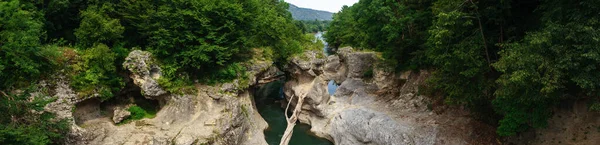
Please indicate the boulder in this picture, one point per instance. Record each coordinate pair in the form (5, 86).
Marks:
(145, 73)
(120, 114)
(360, 63)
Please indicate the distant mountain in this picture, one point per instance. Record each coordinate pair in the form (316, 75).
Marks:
(299, 13)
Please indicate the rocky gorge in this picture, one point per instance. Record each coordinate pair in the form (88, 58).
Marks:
(363, 110)
(216, 114)
(371, 105)
(375, 106)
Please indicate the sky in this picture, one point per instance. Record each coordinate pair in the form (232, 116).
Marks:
(325, 5)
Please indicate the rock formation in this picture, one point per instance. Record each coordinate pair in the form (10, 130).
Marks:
(384, 109)
(222, 114)
(120, 114)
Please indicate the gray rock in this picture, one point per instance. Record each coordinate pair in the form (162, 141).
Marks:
(144, 73)
(383, 110)
(361, 126)
(229, 87)
(333, 63)
(310, 61)
(359, 63)
(120, 114)
(184, 139)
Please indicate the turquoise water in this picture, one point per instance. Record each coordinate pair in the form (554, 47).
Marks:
(331, 87)
(268, 100)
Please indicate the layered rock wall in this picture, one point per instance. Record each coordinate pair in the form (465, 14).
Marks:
(375, 106)
(222, 114)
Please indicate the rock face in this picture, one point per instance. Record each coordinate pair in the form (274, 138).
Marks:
(144, 73)
(120, 114)
(222, 114)
(384, 109)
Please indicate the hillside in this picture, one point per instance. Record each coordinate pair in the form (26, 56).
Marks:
(299, 13)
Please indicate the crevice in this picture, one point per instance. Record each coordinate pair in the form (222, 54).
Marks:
(95, 109)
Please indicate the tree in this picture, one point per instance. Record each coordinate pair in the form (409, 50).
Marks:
(396, 28)
(22, 56)
(558, 62)
(96, 72)
(97, 27)
(24, 121)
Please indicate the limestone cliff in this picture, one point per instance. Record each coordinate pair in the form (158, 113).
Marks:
(222, 114)
(375, 106)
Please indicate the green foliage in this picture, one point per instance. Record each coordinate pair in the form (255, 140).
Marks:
(137, 113)
(283, 37)
(510, 61)
(229, 73)
(24, 121)
(313, 26)
(539, 70)
(460, 66)
(96, 73)
(22, 57)
(310, 42)
(97, 27)
(396, 28)
(204, 40)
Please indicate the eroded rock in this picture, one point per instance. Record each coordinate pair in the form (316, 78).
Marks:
(144, 73)
(223, 114)
(385, 109)
(120, 114)
(363, 126)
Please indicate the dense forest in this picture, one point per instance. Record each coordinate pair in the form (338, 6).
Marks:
(312, 26)
(511, 61)
(306, 14)
(87, 41)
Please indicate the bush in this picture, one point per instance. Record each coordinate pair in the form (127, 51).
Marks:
(137, 113)
(22, 57)
(97, 27)
(24, 121)
(96, 72)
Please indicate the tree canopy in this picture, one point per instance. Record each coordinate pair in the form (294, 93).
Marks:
(87, 41)
(511, 61)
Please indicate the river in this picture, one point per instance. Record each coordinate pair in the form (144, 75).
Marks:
(268, 100)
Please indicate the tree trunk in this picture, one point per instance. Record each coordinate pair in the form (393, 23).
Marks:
(291, 121)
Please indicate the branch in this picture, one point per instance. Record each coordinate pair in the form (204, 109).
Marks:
(482, 35)
(291, 121)
(286, 108)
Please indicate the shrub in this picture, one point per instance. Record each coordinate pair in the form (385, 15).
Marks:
(96, 73)
(137, 113)
(23, 120)
(97, 27)
(22, 58)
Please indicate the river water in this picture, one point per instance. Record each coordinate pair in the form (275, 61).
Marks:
(268, 100)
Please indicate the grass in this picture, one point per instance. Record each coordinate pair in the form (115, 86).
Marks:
(142, 109)
(138, 113)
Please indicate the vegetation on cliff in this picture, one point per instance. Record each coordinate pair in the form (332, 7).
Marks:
(511, 61)
(87, 40)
